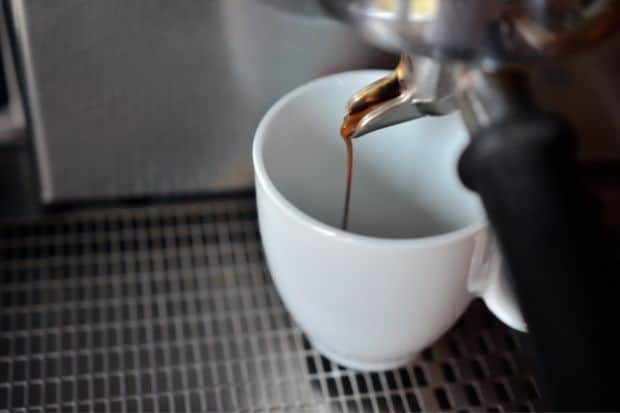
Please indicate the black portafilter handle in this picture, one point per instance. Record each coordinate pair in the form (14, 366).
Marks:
(559, 258)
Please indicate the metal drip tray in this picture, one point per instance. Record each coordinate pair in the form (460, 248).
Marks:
(171, 308)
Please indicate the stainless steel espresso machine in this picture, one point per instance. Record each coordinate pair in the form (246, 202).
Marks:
(474, 56)
(131, 271)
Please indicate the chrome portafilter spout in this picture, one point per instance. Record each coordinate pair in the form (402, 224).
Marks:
(422, 86)
(419, 86)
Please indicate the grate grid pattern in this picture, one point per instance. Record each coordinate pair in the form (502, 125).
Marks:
(171, 308)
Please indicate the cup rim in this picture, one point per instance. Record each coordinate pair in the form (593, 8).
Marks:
(260, 173)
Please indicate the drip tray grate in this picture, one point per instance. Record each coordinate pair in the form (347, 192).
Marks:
(171, 308)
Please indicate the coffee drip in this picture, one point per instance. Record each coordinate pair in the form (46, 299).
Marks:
(365, 102)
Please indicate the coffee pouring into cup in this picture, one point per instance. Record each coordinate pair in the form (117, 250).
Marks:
(417, 249)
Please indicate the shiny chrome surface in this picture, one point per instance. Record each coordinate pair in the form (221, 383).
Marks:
(418, 87)
(486, 97)
(465, 42)
(162, 97)
(556, 27)
(479, 29)
(428, 86)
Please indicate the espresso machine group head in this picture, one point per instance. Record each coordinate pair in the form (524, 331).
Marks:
(450, 47)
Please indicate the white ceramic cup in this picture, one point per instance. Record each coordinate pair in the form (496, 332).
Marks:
(418, 250)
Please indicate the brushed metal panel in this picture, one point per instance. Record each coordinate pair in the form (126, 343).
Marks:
(133, 98)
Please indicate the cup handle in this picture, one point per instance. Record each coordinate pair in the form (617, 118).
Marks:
(488, 280)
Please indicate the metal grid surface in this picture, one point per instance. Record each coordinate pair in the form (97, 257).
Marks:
(171, 308)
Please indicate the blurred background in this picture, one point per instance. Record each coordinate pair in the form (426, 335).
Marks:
(106, 101)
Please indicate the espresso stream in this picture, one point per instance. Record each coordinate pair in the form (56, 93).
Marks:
(349, 125)
(364, 102)
(347, 197)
